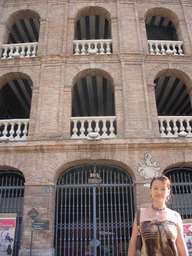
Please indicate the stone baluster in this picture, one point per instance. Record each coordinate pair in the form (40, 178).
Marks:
(162, 48)
(74, 130)
(25, 130)
(104, 130)
(151, 51)
(28, 54)
(89, 129)
(34, 52)
(111, 129)
(83, 51)
(11, 52)
(182, 128)
(77, 50)
(22, 53)
(97, 129)
(162, 128)
(188, 128)
(5, 131)
(102, 48)
(180, 51)
(108, 50)
(174, 49)
(18, 132)
(175, 128)
(169, 128)
(12, 131)
(157, 49)
(5, 49)
(82, 129)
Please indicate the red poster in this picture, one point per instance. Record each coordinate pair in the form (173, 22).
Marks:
(7, 233)
(187, 228)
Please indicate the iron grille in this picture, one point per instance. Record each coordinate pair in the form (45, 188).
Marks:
(11, 200)
(93, 219)
(181, 199)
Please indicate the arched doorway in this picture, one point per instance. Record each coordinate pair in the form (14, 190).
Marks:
(94, 211)
(181, 199)
(11, 201)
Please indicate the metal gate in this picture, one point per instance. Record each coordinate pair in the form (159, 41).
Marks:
(181, 199)
(94, 211)
(11, 200)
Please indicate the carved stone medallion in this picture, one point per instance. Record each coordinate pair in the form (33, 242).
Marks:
(148, 170)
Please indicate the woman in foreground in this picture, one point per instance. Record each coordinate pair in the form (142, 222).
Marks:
(161, 228)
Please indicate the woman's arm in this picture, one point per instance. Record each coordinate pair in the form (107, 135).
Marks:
(180, 243)
(132, 244)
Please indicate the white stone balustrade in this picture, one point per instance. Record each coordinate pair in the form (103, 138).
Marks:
(159, 47)
(21, 50)
(89, 47)
(174, 126)
(105, 126)
(14, 129)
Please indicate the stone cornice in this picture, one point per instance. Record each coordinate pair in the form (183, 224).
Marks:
(61, 145)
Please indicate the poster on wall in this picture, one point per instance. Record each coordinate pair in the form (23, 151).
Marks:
(187, 229)
(7, 233)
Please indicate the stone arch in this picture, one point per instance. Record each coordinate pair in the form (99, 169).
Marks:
(164, 12)
(168, 14)
(13, 76)
(163, 70)
(19, 15)
(92, 10)
(71, 164)
(93, 72)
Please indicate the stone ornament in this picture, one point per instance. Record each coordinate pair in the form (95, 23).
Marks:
(148, 170)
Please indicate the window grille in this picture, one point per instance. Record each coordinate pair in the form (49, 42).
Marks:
(181, 199)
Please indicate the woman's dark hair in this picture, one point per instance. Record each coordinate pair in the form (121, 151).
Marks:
(166, 181)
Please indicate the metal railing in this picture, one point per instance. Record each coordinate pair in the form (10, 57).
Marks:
(159, 47)
(93, 127)
(21, 50)
(88, 47)
(14, 129)
(174, 126)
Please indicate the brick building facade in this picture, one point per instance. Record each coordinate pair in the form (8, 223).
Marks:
(92, 89)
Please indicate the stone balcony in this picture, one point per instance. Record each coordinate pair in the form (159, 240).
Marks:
(14, 129)
(159, 47)
(21, 50)
(97, 127)
(91, 47)
(174, 126)
(93, 127)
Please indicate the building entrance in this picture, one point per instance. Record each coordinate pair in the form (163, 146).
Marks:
(94, 211)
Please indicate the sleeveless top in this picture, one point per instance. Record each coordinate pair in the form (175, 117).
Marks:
(159, 238)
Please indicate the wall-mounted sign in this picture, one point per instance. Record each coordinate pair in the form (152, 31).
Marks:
(94, 178)
(33, 213)
(41, 225)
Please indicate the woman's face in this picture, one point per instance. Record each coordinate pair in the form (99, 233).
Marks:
(159, 191)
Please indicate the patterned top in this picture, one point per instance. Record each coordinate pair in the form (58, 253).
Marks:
(158, 238)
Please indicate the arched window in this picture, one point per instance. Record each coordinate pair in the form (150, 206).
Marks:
(11, 200)
(93, 32)
(93, 108)
(22, 40)
(161, 32)
(181, 199)
(15, 105)
(173, 104)
(94, 211)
